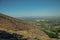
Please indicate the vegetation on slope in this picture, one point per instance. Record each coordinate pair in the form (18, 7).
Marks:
(27, 29)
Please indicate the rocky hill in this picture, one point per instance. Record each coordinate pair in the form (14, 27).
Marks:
(27, 29)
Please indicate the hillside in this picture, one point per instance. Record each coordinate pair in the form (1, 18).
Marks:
(27, 29)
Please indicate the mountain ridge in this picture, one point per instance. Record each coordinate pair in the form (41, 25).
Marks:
(27, 29)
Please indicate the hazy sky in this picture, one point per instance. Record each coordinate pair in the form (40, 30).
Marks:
(18, 8)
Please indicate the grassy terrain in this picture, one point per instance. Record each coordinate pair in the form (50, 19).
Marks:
(11, 28)
(50, 25)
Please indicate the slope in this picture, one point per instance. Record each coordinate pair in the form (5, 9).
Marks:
(27, 29)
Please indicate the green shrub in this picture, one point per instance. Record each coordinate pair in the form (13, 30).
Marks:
(51, 35)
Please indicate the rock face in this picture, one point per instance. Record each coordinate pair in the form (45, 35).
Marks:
(7, 36)
(27, 29)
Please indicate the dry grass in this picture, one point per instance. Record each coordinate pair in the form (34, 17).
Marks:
(26, 29)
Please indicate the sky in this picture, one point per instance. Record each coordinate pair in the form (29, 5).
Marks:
(19, 8)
